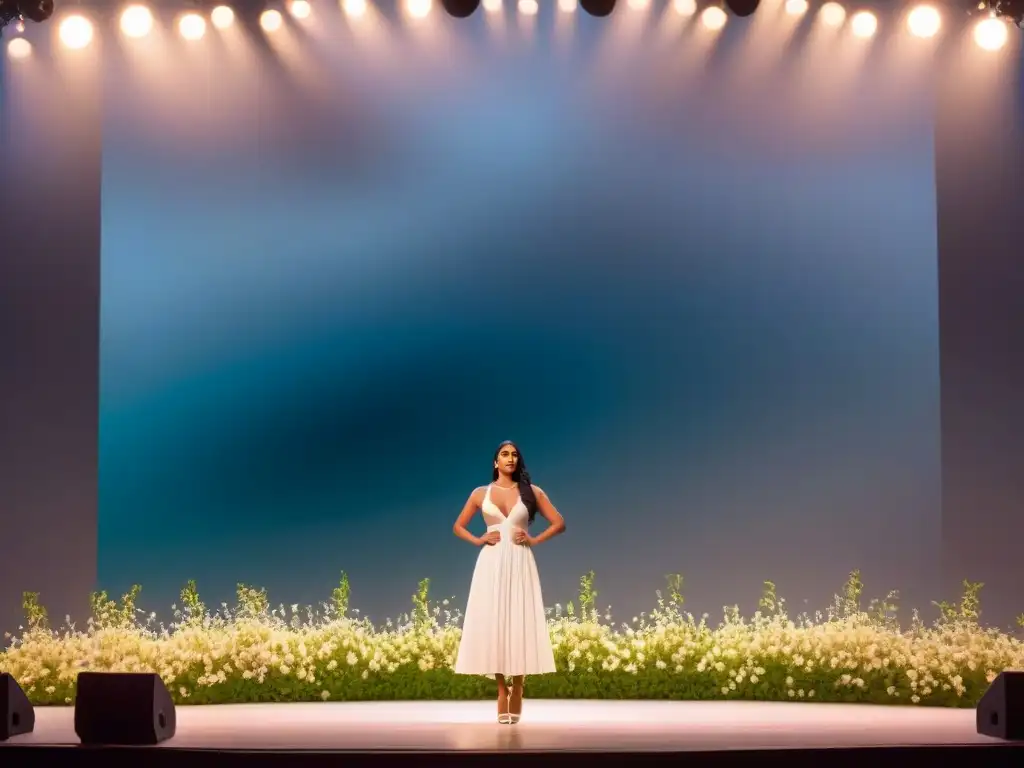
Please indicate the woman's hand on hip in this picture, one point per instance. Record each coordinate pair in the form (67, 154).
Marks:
(522, 538)
(490, 538)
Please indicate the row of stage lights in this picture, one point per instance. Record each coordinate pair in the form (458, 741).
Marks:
(76, 31)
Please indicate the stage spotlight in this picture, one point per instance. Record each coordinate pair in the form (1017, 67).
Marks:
(300, 9)
(714, 18)
(833, 15)
(864, 24)
(19, 48)
(76, 32)
(418, 9)
(924, 21)
(491, 6)
(639, 5)
(192, 26)
(991, 34)
(460, 9)
(567, 6)
(528, 7)
(354, 8)
(742, 8)
(271, 21)
(136, 21)
(796, 7)
(685, 7)
(222, 17)
(598, 8)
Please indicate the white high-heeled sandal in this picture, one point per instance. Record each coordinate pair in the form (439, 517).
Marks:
(514, 717)
(505, 718)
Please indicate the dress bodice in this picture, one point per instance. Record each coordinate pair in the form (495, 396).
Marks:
(518, 515)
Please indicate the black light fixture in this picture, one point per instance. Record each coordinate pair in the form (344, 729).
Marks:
(598, 8)
(460, 9)
(742, 8)
(33, 10)
(1010, 10)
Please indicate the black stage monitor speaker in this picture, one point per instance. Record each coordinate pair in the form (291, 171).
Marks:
(123, 709)
(16, 713)
(1001, 709)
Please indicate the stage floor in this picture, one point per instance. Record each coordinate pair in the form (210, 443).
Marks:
(599, 726)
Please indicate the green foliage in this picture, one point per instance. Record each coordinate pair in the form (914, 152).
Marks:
(255, 653)
(340, 596)
(252, 602)
(588, 597)
(421, 618)
(36, 617)
(968, 610)
(852, 590)
(109, 614)
(193, 611)
(769, 603)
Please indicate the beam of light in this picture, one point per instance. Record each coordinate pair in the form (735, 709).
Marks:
(271, 21)
(796, 7)
(528, 7)
(136, 21)
(222, 17)
(491, 6)
(418, 9)
(638, 5)
(300, 9)
(714, 18)
(924, 21)
(192, 26)
(832, 15)
(568, 6)
(685, 8)
(864, 24)
(991, 34)
(354, 9)
(19, 48)
(75, 32)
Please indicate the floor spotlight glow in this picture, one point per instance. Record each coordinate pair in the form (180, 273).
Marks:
(222, 17)
(991, 34)
(75, 32)
(528, 7)
(833, 15)
(714, 18)
(864, 24)
(354, 8)
(685, 7)
(924, 21)
(136, 21)
(300, 9)
(19, 48)
(271, 20)
(192, 26)
(418, 9)
(796, 7)
(491, 6)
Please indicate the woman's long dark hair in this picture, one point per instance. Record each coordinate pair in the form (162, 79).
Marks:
(522, 478)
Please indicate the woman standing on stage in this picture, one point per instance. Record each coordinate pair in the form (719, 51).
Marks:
(505, 632)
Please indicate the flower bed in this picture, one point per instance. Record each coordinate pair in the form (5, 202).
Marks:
(251, 653)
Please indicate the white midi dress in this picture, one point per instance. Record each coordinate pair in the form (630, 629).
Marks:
(505, 631)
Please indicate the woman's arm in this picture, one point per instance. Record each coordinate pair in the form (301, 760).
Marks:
(556, 523)
(476, 498)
